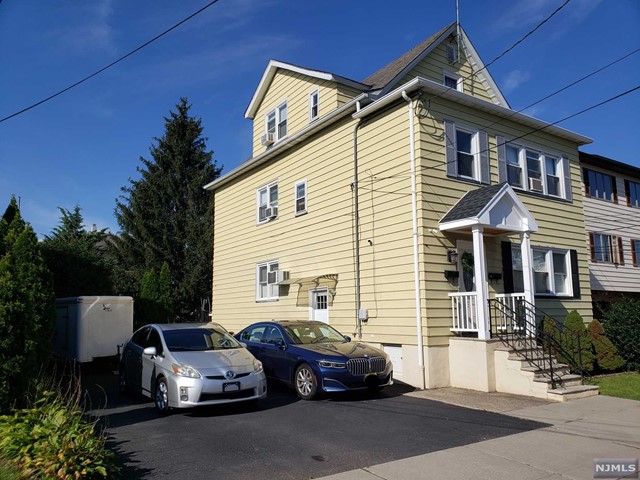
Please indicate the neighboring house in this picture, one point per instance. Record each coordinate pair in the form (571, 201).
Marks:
(611, 200)
(394, 208)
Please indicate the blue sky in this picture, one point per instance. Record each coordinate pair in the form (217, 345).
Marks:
(82, 147)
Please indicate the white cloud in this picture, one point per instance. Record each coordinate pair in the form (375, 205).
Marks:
(528, 13)
(514, 79)
(91, 30)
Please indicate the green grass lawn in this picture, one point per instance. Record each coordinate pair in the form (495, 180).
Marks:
(623, 385)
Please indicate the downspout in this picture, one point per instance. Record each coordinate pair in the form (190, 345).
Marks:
(414, 218)
(356, 219)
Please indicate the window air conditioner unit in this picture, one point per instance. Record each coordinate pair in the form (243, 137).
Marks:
(267, 139)
(271, 212)
(281, 276)
(535, 184)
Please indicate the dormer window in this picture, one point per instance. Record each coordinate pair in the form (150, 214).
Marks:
(276, 122)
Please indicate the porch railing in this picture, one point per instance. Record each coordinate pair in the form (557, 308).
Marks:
(464, 311)
(503, 321)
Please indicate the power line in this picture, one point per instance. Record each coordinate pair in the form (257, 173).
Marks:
(115, 62)
(473, 74)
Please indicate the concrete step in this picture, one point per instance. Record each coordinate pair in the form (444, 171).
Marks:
(558, 369)
(566, 394)
(566, 380)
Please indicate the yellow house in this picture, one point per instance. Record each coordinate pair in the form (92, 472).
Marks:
(414, 210)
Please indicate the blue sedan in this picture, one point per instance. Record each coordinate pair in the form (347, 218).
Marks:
(313, 357)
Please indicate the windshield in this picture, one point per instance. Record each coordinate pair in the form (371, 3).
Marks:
(305, 334)
(199, 339)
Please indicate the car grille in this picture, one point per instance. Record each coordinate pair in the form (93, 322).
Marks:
(362, 366)
(206, 397)
(222, 377)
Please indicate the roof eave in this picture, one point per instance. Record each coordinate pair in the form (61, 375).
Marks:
(270, 72)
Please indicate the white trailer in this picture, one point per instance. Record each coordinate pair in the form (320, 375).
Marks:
(91, 327)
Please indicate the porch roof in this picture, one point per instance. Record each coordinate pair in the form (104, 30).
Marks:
(327, 280)
(496, 207)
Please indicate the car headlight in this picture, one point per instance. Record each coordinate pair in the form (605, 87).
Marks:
(185, 371)
(331, 364)
(257, 366)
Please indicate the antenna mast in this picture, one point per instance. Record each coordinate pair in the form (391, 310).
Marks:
(458, 28)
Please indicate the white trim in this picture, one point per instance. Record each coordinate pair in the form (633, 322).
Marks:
(453, 76)
(464, 99)
(475, 151)
(316, 92)
(270, 298)
(548, 252)
(268, 205)
(270, 72)
(295, 198)
(289, 142)
(542, 154)
(476, 63)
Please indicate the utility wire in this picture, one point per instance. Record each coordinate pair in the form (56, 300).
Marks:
(473, 74)
(115, 62)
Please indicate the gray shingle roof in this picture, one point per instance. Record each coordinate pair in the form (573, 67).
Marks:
(472, 203)
(386, 74)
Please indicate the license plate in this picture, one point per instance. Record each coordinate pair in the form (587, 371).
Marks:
(231, 387)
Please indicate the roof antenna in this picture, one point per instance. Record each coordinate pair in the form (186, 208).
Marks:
(458, 28)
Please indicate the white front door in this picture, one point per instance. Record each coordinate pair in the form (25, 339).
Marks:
(319, 305)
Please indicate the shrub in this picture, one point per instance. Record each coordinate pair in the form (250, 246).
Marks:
(51, 439)
(622, 324)
(575, 323)
(606, 354)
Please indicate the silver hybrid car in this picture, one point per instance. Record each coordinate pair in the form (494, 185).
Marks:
(187, 365)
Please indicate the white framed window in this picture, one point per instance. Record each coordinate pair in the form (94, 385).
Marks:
(276, 122)
(314, 105)
(452, 80)
(267, 202)
(534, 170)
(551, 271)
(301, 197)
(466, 153)
(266, 281)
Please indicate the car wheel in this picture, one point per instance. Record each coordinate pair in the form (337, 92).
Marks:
(162, 396)
(306, 383)
(123, 386)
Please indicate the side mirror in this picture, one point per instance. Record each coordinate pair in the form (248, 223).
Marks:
(347, 338)
(151, 351)
(280, 344)
(244, 345)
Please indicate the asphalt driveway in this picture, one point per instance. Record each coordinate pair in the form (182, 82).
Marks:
(284, 437)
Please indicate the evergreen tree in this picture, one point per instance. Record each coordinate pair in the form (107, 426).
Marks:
(154, 303)
(27, 308)
(77, 258)
(166, 215)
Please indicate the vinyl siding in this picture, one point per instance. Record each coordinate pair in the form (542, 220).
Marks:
(433, 66)
(621, 220)
(295, 88)
(320, 242)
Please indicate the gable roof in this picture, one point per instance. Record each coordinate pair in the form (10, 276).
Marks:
(388, 76)
(497, 207)
(270, 72)
(391, 71)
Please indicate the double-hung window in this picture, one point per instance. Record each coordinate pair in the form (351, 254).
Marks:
(606, 248)
(600, 185)
(314, 99)
(301, 197)
(276, 122)
(551, 271)
(632, 189)
(266, 281)
(533, 170)
(466, 153)
(267, 202)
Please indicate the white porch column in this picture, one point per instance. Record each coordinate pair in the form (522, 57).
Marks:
(482, 289)
(527, 266)
(527, 271)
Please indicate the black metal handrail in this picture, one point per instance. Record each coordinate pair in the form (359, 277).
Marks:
(537, 337)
